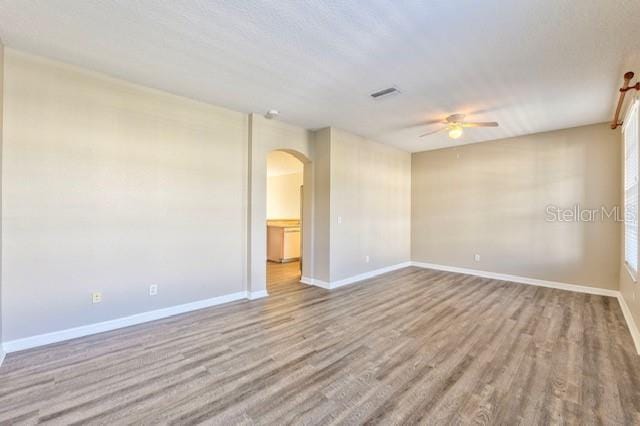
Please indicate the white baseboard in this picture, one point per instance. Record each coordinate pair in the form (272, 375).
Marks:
(100, 327)
(367, 275)
(253, 295)
(631, 324)
(521, 280)
(72, 333)
(315, 282)
(354, 279)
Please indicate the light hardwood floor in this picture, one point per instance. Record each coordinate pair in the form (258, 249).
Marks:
(283, 278)
(412, 346)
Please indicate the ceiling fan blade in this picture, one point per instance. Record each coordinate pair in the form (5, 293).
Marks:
(432, 132)
(430, 122)
(455, 118)
(480, 124)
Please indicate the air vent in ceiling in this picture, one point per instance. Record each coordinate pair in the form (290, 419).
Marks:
(384, 92)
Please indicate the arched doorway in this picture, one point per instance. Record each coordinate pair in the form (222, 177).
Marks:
(285, 217)
(266, 136)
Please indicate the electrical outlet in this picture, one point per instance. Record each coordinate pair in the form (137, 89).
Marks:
(96, 297)
(366, 259)
(153, 289)
(477, 258)
(339, 220)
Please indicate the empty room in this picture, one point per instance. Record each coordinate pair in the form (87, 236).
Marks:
(319, 212)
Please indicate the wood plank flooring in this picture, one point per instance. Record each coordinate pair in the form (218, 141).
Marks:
(414, 346)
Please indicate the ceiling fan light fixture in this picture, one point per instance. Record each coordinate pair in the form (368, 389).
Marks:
(454, 125)
(455, 132)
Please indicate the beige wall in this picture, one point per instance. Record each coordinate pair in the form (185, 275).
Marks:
(283, 196)
(321, 205)
(370, 205)
(111, 187)
(490, 199)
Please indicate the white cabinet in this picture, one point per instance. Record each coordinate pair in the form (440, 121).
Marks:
(291, 249)
(283, 243)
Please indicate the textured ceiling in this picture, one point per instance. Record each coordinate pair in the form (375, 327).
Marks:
(280, 163)
(532, 65)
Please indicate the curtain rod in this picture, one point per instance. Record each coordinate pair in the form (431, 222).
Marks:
(623, 91)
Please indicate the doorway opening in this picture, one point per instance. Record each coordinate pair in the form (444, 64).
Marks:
(285, 194)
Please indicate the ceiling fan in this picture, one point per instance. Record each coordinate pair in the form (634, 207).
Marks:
(455, 123)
